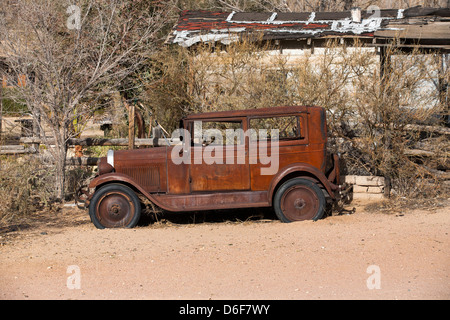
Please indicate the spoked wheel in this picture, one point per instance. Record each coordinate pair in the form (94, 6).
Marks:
(299, 199)
(115, 206)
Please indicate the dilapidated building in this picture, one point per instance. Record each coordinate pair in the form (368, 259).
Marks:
(294, 34)
(427, 27)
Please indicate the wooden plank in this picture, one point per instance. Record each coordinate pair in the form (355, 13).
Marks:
(82, 161)
(434, 129)
(12, 147)
(433, 30)
(14, 152)
(131, 129)
(418, 153)
(104, 142)
(1, 111)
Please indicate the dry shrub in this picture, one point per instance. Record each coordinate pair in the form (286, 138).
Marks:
(77, 177)
(25, 186)
(368, 109)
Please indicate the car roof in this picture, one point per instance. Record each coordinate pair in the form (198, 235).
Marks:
(272, 111)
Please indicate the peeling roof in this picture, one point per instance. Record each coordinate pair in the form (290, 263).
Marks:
(225, 27)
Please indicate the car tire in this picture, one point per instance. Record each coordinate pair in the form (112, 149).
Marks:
(115, 206)
(299, 199)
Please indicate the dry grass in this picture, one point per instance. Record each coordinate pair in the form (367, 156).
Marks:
(402, 205)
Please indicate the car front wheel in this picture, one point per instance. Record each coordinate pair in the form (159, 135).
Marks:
(115, 206)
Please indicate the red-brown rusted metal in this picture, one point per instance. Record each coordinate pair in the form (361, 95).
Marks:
(203, 185)
(299, 203)
(114, 209)
(104, 167)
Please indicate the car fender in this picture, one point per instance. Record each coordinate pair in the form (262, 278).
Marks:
(124, 179)
(299, 168)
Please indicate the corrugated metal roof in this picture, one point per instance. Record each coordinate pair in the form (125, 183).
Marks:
(225, 27)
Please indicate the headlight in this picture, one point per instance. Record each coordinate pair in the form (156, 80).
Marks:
(110, 158)
(106, 163)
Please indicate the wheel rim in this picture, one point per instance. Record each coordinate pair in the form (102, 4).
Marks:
(115, 209)
(299, 203)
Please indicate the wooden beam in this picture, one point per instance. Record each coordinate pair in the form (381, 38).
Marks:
(12, 147)
(433, 129)
(131, 129)
(443, 87)
(82, 161)
(385, 63)
(431, 30)
(1, 112)
(418, 153)
(17, 151)
(103, 142)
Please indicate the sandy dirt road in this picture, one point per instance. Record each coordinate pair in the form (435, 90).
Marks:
(403, 255)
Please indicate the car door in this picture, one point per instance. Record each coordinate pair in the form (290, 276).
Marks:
(219, 156)
(289, 146)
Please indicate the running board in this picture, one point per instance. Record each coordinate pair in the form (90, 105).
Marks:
(219, 200)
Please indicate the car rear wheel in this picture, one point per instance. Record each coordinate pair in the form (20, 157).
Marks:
(115, 206)
(299, 199)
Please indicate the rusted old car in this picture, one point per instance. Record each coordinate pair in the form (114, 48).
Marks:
(273, 157)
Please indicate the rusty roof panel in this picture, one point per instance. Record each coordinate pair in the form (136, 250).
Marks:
(225, 27)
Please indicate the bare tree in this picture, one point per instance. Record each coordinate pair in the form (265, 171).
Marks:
(72, 54)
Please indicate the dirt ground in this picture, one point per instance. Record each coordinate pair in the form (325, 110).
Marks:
(402, 254)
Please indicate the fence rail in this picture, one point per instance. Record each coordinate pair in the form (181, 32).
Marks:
(145, 142)
(84, 161)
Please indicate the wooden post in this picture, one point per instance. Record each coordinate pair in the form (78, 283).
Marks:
(150, 126)
(1, 116)
(385, 69)
(131, 127)
(443, 87)
(1, 111)
(385, 62)
(36, 128)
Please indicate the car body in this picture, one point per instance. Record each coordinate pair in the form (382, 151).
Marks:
(272, 157)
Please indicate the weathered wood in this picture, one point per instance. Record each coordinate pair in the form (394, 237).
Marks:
(82, 161)
(12, 147)
(17, 151)
(440, 174)
(30, 140)
(103, 142)
(433, 129)
(1, 110)
(131, 130)
(418, 153)
(431, 30)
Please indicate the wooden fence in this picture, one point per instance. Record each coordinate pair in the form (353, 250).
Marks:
(85, 142)
(160, 140)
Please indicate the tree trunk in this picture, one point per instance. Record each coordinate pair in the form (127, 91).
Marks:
(348, 4)
(61, 175)
(443, 87)
(60, 159)
(1, 111)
